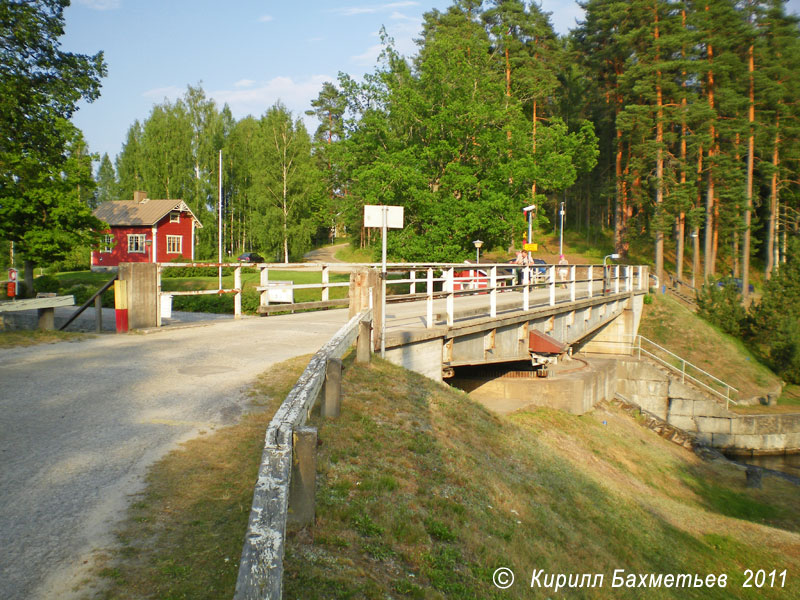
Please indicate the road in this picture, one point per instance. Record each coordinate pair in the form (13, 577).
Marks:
(81, 422)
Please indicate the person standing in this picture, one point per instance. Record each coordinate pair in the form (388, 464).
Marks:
(563, 263)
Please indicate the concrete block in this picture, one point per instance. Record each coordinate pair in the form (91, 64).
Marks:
(743, 425)
(421, 357)
(748, 442)
(789, 423)
(685, 423)
(766, 424)
(682, 390)
(713, 424)
(774, 441)
(792, 441)
(363, 350)
(723, 440)
(681, 407)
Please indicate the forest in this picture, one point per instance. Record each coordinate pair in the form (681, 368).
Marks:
(667, 123)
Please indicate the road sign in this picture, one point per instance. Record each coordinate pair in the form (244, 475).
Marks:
(530, 247)
(373, 216)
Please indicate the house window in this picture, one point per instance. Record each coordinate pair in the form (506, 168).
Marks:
(136, 243)
(108, 243)
(175, 216)
(174, 244)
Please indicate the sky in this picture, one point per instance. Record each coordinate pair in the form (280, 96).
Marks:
(246, 53)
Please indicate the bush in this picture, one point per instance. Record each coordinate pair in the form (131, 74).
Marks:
(722, 306)
(46, 284)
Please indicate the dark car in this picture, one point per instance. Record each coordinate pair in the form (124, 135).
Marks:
(539, 270)
(251, 257)
(726, 281)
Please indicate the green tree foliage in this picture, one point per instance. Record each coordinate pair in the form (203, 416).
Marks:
(106, 182)
(44, 190)
(286, 195)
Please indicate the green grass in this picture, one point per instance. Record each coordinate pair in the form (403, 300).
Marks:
(355, 255)
(12, 339)
(422, 493)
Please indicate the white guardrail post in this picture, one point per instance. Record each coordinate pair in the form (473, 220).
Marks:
(451, 288)
(552, 285)
(616, 279)
(573, 272)
(429, 303)
(412, 288)
(526, 290)
(493, 292)
(590, 280)
(325, 280)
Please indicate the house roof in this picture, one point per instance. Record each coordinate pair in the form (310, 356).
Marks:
(131, 212)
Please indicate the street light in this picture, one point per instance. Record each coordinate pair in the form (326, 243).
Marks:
(529, 210)
(693, 235)
(478, 244)
(561, 238)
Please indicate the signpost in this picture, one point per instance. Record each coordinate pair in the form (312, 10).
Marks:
(383, 217)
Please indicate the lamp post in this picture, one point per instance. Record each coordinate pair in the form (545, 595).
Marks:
(562, 212)
(693, 235)
(529, 210)
(478, 244)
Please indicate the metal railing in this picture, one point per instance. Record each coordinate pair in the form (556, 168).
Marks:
(447, 281)
(642, 346)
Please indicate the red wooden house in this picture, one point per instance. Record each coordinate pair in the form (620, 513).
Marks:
(144, 230)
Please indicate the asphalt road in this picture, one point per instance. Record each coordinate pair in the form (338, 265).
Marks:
(81, 422)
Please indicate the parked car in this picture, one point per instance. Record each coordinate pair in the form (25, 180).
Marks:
(726, 281)
(251, 257)
(539, 270)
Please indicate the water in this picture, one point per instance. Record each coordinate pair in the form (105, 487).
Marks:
(785, 463)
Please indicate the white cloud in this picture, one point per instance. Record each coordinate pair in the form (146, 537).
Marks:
(265, 18)
(101, 4)
(170, 92)
(369, 57)
(350, 11)
(296, 94)
(244, 83)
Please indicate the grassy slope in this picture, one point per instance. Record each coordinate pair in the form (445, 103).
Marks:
(671, 325)
(423, 493)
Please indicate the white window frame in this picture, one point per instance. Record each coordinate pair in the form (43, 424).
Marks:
(108, 243)
(136, 240)
(171, 241)
(175, 216)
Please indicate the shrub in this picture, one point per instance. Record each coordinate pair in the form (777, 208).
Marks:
(46, 284)
(722, 306)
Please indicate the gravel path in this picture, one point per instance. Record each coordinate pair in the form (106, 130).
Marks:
(81, 422)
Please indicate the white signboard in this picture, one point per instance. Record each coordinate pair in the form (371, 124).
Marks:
(373, 216)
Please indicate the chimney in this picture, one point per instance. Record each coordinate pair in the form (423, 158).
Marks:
(140, 197)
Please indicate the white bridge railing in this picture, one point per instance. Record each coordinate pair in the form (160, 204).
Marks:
(449, 281)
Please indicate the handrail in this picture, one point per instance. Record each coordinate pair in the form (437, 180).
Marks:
(86, 304)
(685, 363)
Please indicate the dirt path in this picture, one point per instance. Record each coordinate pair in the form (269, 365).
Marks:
(81, 423)
(324, 255)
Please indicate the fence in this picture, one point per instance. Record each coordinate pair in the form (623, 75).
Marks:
(440, 280)
(285, 487)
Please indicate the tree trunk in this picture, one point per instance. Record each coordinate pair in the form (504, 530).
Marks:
(659, 165)
(751, 117)
(773, 204)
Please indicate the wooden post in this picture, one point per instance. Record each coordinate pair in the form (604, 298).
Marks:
(450, 283)
(325, 280)
(363, 350)
(332, 400)
(98, 314)
(304, 475)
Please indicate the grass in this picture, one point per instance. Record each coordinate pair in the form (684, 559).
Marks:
(354, 255)
(19, 338)
(676, 328)
(422, 493)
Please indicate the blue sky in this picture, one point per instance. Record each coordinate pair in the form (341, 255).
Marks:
(246, 53)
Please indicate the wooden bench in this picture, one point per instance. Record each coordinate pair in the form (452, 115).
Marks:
(45, 305)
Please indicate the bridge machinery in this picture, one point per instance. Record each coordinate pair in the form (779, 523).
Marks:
(601, 324)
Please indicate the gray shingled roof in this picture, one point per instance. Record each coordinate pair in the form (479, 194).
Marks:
(130, 212)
